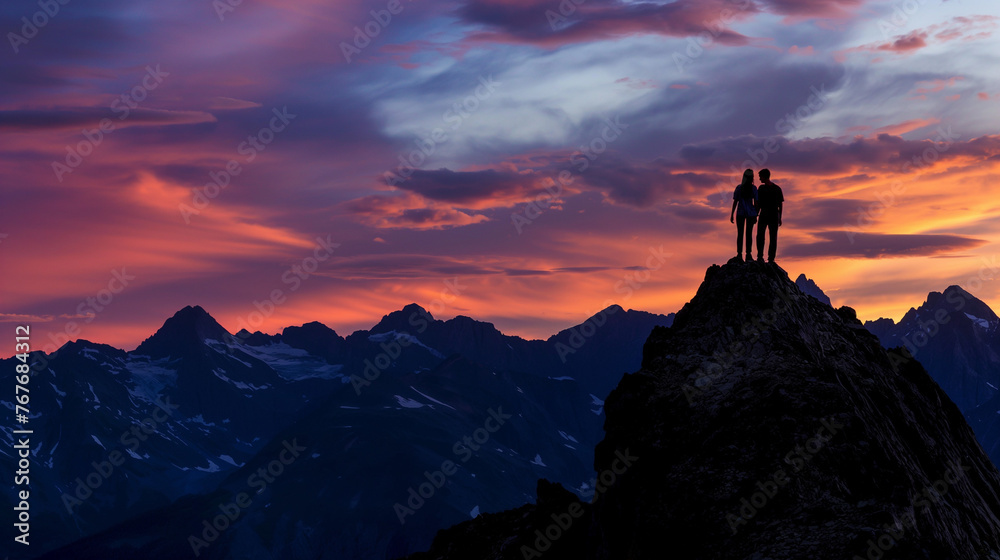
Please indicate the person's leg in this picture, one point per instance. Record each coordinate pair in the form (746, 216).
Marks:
(761, 228)
(750, 223)
(741, 222)
(772, 247)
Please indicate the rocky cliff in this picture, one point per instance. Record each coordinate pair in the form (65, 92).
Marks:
(766, 425)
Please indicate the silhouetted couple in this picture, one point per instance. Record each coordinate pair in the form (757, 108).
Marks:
(757, 205)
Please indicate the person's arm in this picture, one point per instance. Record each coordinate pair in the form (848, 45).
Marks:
(781, 204)
(733, 211)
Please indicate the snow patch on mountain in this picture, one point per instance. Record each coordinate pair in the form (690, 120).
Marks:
(212, 467)
(230, 460)
(430, 398)
(408, 403)
(94, 393)
(409, 338)
(981, 322)
(567, 436)
(238, 384)
(200, 420)
(149, 378)
(600, 405)
(293, 363)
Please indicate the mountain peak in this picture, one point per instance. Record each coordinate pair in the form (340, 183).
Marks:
(612, 309)
(736, 290)
(751, 372)
(955, 298)
(316, 338)
(414, 308)
(189, 327)
(402, 320)
(810, 288)
(765, 423)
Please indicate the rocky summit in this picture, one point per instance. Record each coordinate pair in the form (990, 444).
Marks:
(764, 424)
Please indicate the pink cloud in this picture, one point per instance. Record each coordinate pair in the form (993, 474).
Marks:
(408, 211)
(639, 84)
(904, 127)
(806, 9)
(935, 86)
(906, 43)
(550, 25)
(965, 28)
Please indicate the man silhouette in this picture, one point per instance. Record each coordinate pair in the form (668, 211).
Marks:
(770, 200)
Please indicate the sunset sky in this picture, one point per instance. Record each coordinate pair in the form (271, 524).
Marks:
(881, 123)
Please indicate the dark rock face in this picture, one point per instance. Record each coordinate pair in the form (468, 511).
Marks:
(764, 424)
(553, 527)
(810, 288)
(957, 338)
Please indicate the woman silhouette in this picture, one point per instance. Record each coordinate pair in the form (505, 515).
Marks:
(745, 208)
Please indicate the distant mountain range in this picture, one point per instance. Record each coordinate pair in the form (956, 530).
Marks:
(132, 450)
